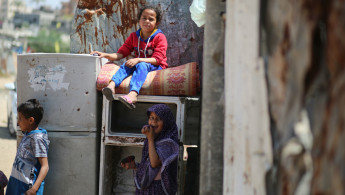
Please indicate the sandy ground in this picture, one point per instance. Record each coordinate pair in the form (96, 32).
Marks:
(8, 144)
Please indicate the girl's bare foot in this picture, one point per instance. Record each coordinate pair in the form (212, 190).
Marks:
(129, 99)
(133, 95)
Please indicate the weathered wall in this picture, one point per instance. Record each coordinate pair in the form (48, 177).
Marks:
(105, 25)
(212, 112)
(247, 139)
(305, 47)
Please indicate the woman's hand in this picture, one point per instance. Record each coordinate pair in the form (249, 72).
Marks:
(132, 62)
(148, 132)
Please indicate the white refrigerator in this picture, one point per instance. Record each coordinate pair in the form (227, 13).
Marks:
(65, 85)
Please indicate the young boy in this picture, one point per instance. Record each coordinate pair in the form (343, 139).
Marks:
(30, 166)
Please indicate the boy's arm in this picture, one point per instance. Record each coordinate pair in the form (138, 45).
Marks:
(42, 174)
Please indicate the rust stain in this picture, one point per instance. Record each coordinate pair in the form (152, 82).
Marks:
(128, 16)
(96, 35)
(108, 9)
(312, 10)
(114, 35)
(127, 10)
(89, 4)
(103, 39)
(84, 41)
(87, 18)
(335, 40)
(285, 184)
(32, 62)
(286, 45)
(123, 139)
(88, 15)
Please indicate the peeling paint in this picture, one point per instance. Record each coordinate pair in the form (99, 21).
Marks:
(124, 141)
(42, 75)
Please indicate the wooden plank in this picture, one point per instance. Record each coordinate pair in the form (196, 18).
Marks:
(247, 145)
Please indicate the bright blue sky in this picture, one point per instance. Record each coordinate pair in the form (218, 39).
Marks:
(53, 3)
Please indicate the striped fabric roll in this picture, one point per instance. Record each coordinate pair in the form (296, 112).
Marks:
(180, 80)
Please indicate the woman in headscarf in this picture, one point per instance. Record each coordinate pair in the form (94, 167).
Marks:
(157, 171)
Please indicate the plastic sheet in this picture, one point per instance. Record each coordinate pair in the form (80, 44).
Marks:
(198, 11)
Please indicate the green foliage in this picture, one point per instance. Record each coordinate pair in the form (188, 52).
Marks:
(25, 25)
(45, 41)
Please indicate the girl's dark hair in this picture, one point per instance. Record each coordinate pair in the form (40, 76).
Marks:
(32, 108)
(156, 9)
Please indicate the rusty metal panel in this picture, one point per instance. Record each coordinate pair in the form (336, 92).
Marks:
(105, 25)
(305, 71)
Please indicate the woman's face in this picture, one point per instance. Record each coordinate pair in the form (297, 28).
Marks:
(156, 123)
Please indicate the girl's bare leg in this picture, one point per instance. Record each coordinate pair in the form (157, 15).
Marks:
(111, 85)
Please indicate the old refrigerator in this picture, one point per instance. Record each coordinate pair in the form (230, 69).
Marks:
(65, 84)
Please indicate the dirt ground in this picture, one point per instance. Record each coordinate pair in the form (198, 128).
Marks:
(8, 144)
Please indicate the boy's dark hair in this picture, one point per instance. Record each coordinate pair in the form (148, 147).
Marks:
(32, 108)
(156, 9)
